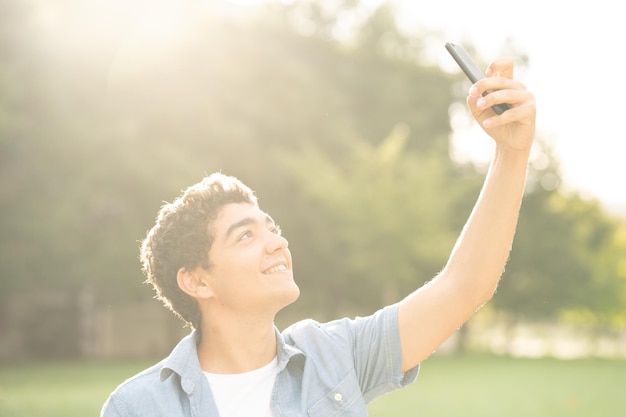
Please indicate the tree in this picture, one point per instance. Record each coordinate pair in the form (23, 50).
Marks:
(566, 255)
(101, 149)
(377, 224)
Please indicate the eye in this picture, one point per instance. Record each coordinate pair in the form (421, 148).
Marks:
(245, 235)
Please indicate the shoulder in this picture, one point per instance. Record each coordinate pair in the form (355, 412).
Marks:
(147, 377)
(363, 352)
(386, 316)
(342, 333)
(137, 391)
(157, 389)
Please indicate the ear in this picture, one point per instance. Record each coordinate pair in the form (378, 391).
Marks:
(194, 282)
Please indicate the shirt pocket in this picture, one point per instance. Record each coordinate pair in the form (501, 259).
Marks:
(344, 399)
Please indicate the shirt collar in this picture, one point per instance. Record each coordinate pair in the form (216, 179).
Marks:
(184, 359)
(285, 352)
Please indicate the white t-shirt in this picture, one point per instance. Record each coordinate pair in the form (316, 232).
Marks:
(244, 395)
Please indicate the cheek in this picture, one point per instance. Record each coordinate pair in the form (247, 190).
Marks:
(238, 267)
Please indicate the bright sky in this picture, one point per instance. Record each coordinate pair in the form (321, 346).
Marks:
(576, 72)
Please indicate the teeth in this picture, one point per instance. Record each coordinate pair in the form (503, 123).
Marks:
(276, 269)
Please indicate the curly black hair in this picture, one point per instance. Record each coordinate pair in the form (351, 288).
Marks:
(181, 238)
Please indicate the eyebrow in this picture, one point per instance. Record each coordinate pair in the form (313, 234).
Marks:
(245, 222)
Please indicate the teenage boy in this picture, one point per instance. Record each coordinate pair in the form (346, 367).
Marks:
(220, 263)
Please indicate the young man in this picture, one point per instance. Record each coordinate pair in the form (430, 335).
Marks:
(220, 263)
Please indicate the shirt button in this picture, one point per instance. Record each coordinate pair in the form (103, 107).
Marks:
(338, 397)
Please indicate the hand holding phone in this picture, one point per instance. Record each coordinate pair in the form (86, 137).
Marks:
(472, 71)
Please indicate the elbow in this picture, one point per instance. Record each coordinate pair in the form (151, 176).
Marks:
(488, 295)
(477, 292)
(484, 295)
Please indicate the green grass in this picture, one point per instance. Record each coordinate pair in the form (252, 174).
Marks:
(60, 389)
(447, 387)
(497, 386)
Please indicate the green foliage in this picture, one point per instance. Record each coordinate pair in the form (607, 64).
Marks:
(566, 255)
(575, 265)
(98, 127)
(376, 220)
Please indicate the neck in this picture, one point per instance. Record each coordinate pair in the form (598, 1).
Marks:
(236, 346)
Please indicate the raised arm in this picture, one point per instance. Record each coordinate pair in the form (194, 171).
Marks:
(431, 314)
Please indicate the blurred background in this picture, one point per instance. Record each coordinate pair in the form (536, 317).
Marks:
(339, 114)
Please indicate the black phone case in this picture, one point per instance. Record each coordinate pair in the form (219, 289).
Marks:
(472, 71)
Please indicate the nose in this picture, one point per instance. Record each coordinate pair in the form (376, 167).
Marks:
(276, 242)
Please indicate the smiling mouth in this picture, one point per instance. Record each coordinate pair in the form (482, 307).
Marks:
(276, 268)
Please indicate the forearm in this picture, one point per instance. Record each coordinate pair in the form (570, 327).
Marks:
(429, 315)
(482, 249)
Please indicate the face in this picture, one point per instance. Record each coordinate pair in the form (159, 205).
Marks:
(251, 268)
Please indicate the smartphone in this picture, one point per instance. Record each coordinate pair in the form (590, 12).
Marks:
(472, 71)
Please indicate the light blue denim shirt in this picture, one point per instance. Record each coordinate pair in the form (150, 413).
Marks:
(325, 370)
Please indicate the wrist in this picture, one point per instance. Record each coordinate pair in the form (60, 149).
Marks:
(510, 162)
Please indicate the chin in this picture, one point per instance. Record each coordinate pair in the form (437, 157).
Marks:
(292, 295)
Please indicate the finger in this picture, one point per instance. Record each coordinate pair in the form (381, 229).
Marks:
(524, 114)
(504, 67)
(513, 97)
(493, 84)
